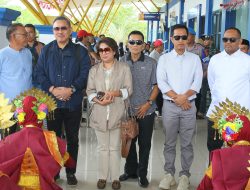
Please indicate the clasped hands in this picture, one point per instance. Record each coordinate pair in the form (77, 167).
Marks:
(62, 93)
(181, 100)
(108, 98)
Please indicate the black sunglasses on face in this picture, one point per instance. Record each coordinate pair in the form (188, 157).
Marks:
(205, 38)
(180, 37)
(63, 28)
(231, 40)
(135, 42)
(105, 50)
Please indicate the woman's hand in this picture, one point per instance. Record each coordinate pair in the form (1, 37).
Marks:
(105, 100)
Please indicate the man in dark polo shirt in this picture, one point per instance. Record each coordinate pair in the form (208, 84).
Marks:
(145, 91)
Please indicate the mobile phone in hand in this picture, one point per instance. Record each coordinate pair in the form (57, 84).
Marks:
(100, 95)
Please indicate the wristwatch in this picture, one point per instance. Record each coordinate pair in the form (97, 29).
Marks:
(73, 89)
(150, 102)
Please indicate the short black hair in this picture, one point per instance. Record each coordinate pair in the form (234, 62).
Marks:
(30, 26)
(245, 42)
(11, 29)
(178, 26)
(136, 32)
(111, 43)
(62, 18)
(235, 29)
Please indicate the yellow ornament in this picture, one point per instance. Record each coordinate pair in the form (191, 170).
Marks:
(41, 115)
(20, 117)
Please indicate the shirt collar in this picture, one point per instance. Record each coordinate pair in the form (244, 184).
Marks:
(234, 54)
(176, 54)
(142, 57)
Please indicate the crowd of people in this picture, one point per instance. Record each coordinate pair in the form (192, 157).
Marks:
(175, 85)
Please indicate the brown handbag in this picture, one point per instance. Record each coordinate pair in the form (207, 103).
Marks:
(129, 130)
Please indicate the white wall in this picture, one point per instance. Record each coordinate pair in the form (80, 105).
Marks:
(188, 5)
(46, 38)
(216, 4)
(4, 41)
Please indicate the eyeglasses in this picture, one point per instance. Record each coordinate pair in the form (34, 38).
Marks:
(63, 28)
(206, 38)
(177, 38)
(231, 40)
(105, 50)
(22, 34)
(135, 42)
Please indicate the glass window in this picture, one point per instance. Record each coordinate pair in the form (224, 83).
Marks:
(242, 15)
(217, 28)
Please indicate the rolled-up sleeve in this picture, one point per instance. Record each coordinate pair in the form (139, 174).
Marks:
(196, 85)
(162, 78)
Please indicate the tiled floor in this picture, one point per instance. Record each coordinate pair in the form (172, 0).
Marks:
(87, 163)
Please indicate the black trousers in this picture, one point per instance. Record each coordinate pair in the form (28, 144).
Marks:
(159, 102)
(71, 121)
(213, 140)
(132, 166)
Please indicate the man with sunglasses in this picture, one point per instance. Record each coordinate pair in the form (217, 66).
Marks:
(62, 71)
(179, 77)
(228, 77)
(244, 46)
(15, 64)
(142, 101)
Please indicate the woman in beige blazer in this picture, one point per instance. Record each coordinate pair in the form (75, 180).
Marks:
(109, 84)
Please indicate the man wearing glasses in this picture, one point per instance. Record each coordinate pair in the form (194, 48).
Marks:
(62, 71)
(179, 77)
(15, 64)
(228, 77)
(145, 91)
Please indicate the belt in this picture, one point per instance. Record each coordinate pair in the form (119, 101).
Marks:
(171, 101)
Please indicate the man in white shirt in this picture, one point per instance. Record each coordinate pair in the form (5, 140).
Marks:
(179, 77)
(228, 77)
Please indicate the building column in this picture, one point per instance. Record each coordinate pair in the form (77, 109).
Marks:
(209, 17)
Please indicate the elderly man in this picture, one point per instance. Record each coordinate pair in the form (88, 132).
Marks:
(228, 77)
(15, 64)
(62, 71)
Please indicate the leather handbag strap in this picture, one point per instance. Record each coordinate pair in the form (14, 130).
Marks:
(126, 143)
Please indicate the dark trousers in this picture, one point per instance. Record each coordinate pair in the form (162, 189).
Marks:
(213, 140)
(144, 141)
(203, 101)
(159, 102)
(71, 121)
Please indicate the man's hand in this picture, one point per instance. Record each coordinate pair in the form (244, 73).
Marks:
(142, 110)
(62, 93)
(186, 105)
(180, 99)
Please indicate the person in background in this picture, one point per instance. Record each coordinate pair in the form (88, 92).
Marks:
(228, 77)
(101, 36)
(147, 49)
(155, 54)
(145, 91)
(15, 64)
(113, 79)
(207, 53)
(244, 46)
(158, 49)
(35, 48)
(121, 50)
(62, 71)
(197, 49)
(92, 42)
(83, 39)
(179, 77)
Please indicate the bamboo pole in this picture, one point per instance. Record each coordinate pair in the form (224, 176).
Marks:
(112, 17)
(98, 15)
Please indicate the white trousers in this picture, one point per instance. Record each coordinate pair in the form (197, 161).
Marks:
(109, 153)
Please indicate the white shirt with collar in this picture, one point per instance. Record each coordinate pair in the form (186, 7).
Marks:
(229, 77)
(179, 73)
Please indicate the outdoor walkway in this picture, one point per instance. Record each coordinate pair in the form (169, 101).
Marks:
(87, 163)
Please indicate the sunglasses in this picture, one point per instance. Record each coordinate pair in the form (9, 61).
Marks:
(206, 38)
(231, 40)
(22, 34)
(63, 28)
(105, 50)
(135, 42)
(185, 37)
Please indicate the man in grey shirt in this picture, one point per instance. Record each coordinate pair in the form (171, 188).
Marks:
(179, 76)
(145, 91)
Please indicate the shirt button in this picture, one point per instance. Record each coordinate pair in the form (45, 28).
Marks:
(58, 75)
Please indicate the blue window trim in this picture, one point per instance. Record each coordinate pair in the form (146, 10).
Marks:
(7, 16)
